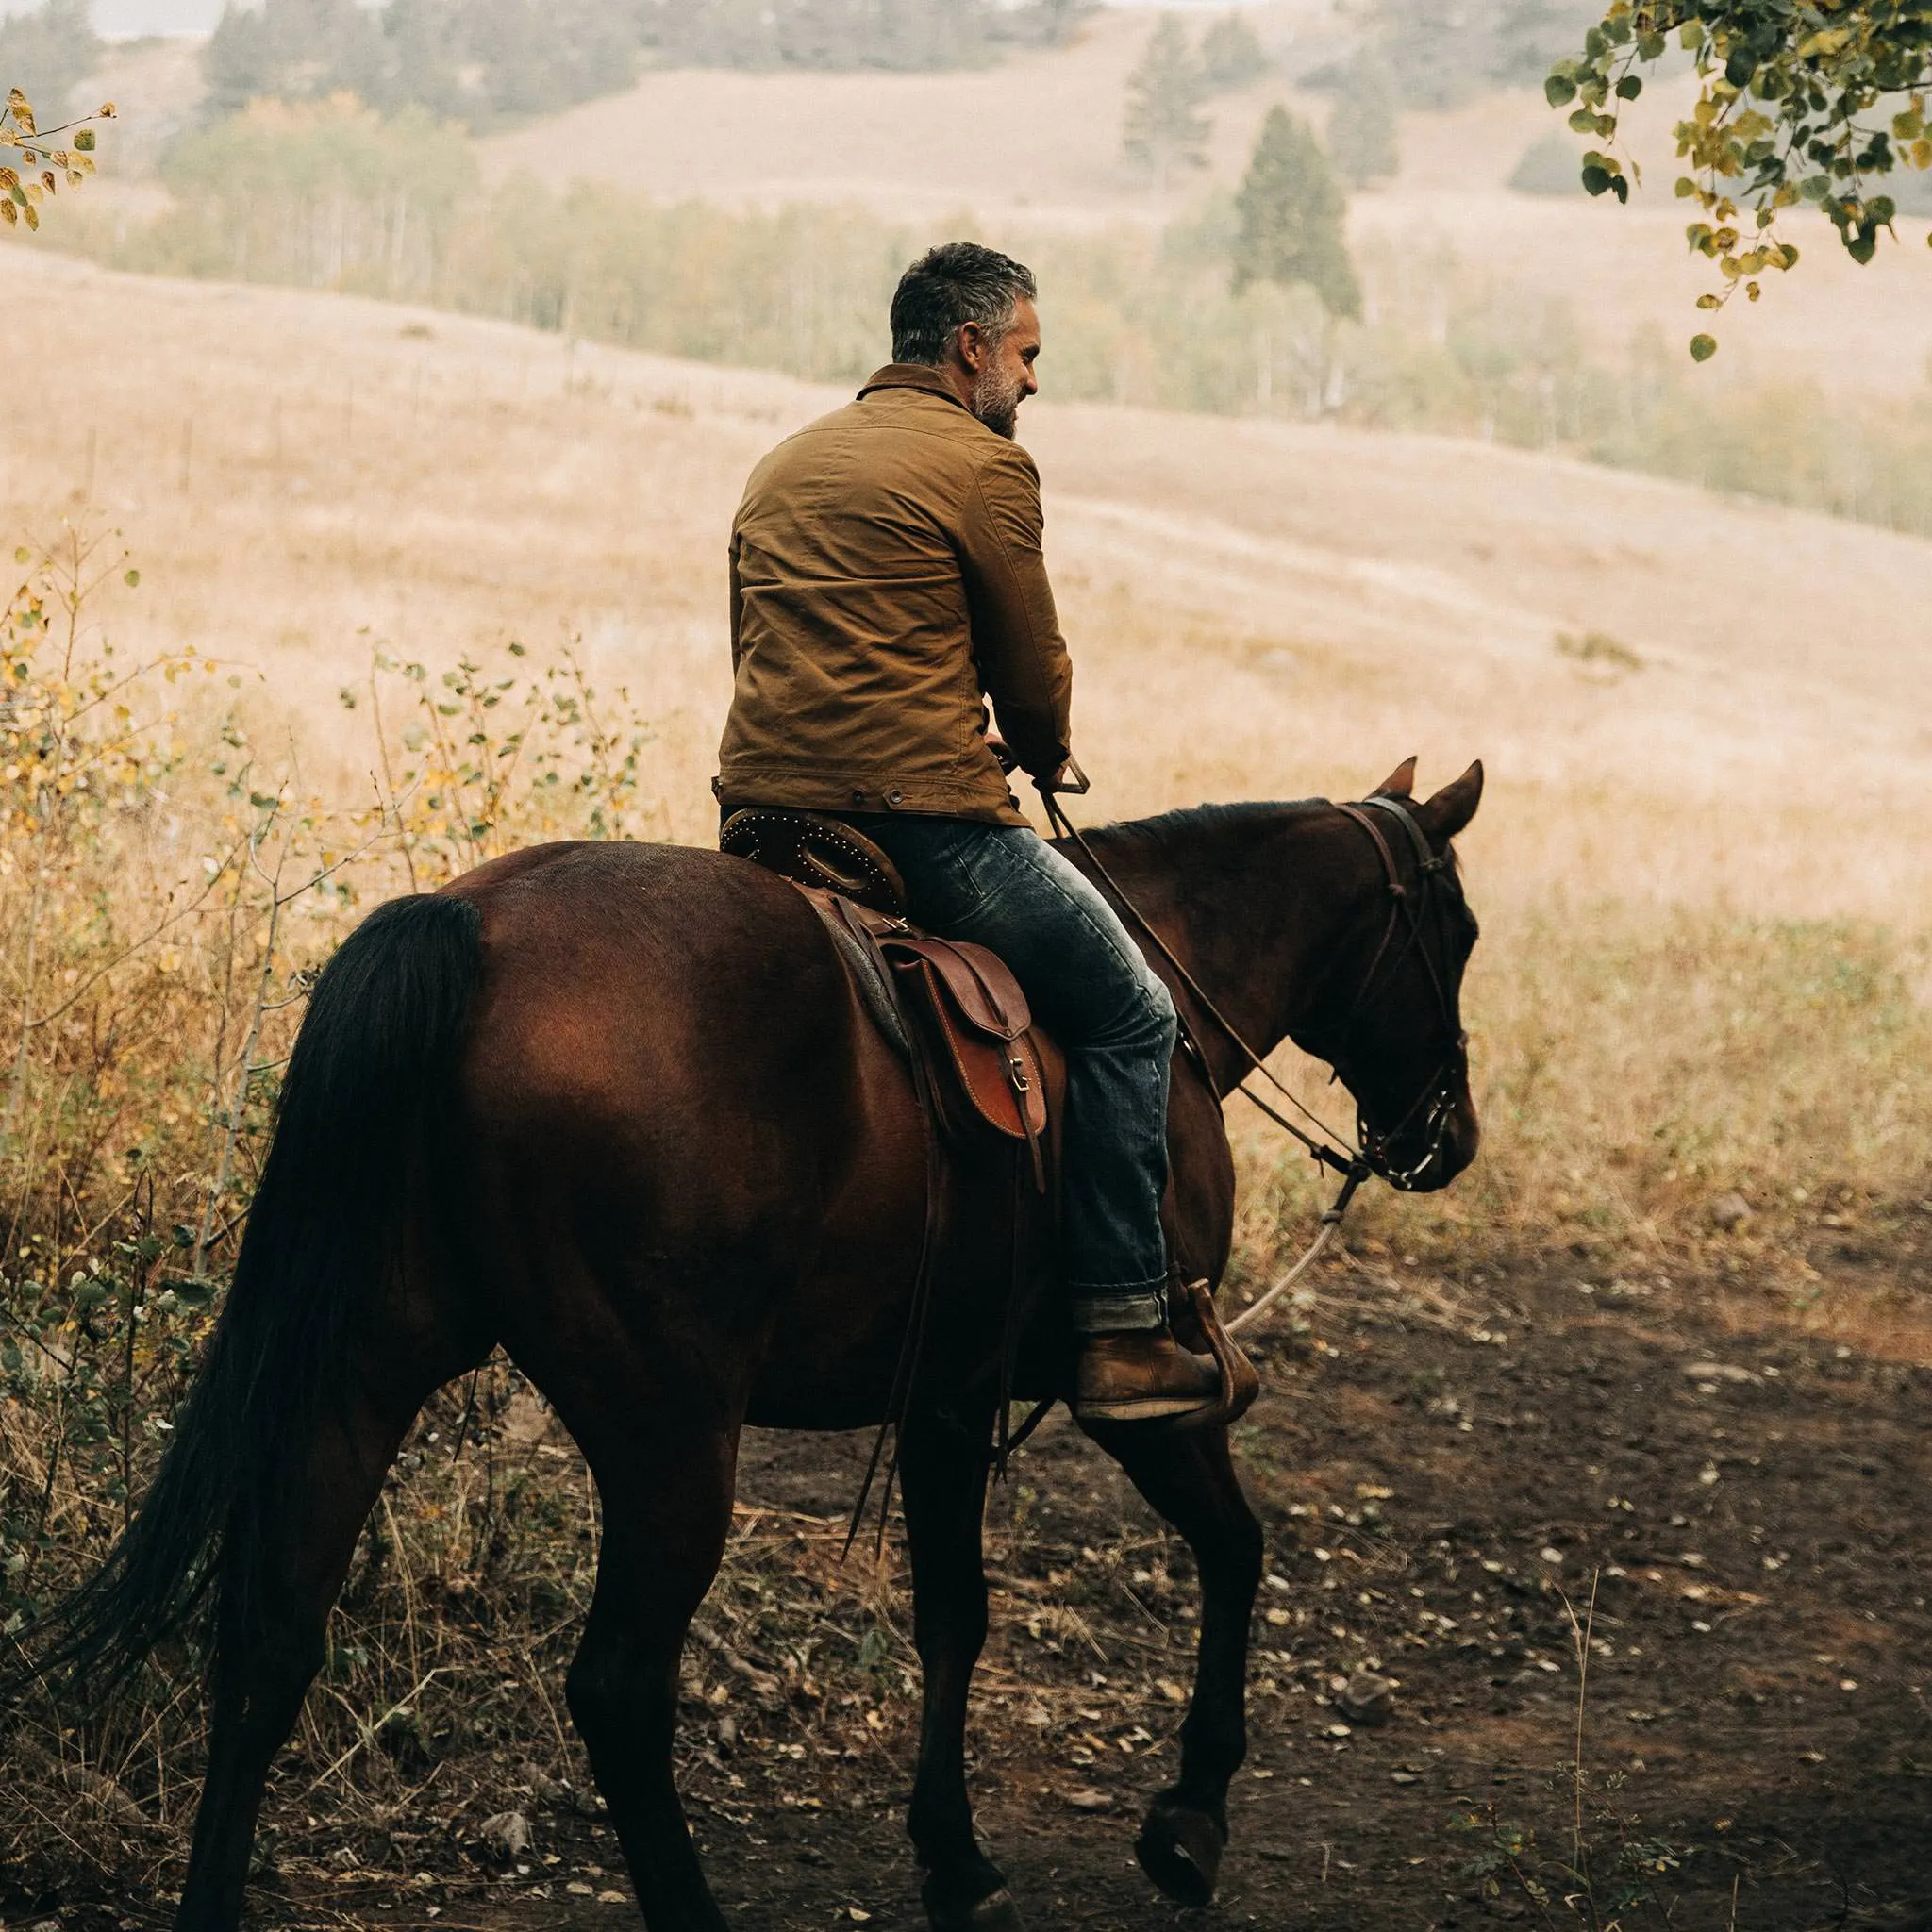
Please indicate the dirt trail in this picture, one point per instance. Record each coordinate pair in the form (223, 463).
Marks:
(1441, 1466)
(1760, 1640)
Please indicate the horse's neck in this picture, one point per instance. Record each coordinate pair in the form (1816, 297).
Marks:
(1251, 903)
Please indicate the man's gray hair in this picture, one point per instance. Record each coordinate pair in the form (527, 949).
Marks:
(957, 283)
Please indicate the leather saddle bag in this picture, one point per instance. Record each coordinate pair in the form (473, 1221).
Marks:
(974, 1014)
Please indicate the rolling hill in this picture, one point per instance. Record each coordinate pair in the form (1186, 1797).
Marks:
(1258, 608)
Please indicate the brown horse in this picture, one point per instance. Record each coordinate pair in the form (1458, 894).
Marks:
(616, 1108)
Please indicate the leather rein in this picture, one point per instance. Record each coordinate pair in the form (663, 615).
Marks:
(1412, 912)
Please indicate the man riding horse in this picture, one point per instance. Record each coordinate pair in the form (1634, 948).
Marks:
(887, 584)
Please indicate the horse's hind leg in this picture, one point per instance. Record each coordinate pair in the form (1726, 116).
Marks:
(943, 1469)
(1190, 1479)
(657, 1560)
(659, 1431)
(262, 1671)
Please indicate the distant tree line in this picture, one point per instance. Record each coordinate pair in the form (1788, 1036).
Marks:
(47, 53)
(904, 34)
(469, 60)
(477, 61)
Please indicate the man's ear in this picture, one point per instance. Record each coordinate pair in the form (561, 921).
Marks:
(1447, 815)
(1399, 783)
(969, 344)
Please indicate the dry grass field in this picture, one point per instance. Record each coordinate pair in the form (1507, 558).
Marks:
(1672, 824)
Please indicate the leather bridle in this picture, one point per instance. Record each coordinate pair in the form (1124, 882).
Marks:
(1415, 915)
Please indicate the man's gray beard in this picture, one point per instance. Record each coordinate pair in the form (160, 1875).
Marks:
(996, 402)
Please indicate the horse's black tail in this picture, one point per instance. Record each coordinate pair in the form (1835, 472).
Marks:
(370, 1063)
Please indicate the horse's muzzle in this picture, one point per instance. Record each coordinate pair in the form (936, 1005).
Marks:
(1424, 1155)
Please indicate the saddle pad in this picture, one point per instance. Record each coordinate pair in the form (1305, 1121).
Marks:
(866, 965)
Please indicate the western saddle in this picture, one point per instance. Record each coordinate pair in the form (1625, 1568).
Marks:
(951, 1007)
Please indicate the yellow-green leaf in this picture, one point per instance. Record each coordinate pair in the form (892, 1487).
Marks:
(1702, 348)
(84, 141)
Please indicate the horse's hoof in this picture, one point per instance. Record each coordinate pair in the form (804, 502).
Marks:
(996, 1912)
(1180, 1850)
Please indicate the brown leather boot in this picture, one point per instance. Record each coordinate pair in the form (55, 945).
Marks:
(1141, 1374)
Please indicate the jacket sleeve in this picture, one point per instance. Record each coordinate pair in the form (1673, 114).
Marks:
(1023, 661)
(737, 608)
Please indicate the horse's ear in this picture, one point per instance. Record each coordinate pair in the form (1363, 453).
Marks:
(1399, 783)
(1444, 816)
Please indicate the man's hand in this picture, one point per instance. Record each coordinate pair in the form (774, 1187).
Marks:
(1069, 777)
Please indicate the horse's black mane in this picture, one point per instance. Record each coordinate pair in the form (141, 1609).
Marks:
(1166, 826)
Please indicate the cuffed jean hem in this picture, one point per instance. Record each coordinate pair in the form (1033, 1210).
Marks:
(1119, 1310)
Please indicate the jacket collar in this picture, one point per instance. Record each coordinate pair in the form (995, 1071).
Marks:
(911, 375)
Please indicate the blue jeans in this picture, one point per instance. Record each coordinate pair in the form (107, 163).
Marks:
(1005, 888)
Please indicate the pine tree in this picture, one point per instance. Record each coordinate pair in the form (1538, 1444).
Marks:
(1231, 53)
(1361, 132)
(1165, 124)
(1290, 209)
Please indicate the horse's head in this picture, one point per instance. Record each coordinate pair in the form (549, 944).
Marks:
(1390, 1020)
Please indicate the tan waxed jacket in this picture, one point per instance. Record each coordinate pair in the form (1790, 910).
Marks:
(887, 580)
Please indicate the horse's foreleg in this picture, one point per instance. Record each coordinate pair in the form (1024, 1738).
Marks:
(943, 1469)
(262, 1667)
(1190, 1479)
